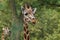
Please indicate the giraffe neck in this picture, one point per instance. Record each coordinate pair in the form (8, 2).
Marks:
(26, 31)
(3, 36)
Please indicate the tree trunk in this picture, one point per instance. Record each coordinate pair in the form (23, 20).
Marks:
(16, 26)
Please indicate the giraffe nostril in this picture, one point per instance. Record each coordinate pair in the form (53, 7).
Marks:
(33, 18)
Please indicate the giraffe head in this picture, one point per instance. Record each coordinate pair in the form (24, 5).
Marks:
(6, 31)
(28, 13)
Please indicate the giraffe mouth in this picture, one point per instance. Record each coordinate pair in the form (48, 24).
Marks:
(34, 21)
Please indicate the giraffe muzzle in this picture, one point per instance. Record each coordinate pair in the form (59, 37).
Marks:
(33, 20)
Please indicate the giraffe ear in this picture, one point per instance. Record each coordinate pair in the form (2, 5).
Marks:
(34, 10)
(22, 8)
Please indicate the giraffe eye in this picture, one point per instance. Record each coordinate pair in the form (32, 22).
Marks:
(26, 14)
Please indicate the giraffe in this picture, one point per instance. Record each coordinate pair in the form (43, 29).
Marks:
(28, 16)
(5, 33)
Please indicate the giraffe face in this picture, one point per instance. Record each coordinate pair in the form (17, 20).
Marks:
(29, 15)
(6, 31)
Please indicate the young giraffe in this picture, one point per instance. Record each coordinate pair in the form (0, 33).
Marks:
(5, 33)
(28, 14)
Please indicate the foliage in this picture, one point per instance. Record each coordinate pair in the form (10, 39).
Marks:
(47, 25)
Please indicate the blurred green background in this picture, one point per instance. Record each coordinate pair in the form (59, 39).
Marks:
(47, 16)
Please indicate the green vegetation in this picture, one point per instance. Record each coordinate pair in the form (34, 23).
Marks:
(47, 16)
